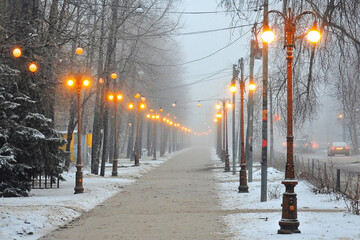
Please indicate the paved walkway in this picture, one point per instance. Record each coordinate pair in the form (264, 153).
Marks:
(175, 201)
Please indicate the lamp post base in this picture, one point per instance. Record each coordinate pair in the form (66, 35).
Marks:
(114, 172)
(289, 223)
(288, 226)
(78, 180)
(243, 187)
(137, 163)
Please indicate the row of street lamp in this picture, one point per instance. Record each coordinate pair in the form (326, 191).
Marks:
(289, 222)
(78, 82)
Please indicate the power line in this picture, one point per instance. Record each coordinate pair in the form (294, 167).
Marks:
(189, 33)
(196, 82)
(199, 59)
(212, 30)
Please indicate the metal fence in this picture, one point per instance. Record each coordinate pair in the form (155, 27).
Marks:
(42, 180)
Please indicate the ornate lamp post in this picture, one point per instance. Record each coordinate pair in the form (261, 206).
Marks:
(243, 187)
(78, 81)
(225, 105)
(116, 98)
(289, 223)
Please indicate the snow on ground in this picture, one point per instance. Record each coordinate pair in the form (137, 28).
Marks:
(320, 216)
(31, 217)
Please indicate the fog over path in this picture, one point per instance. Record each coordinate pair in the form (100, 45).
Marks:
(178, 200)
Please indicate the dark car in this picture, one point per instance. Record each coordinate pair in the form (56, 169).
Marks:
(338, 148)
(302, 146)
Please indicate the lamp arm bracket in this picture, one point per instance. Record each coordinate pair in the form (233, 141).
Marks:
(277, 12)
(297, 18)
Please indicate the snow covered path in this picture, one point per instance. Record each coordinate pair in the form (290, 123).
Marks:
(178, 200)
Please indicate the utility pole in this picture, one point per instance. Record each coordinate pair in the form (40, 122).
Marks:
(264, 114)
(233, 83)
(249, 131)
(271, 127)
(223, 146)
(243, 183)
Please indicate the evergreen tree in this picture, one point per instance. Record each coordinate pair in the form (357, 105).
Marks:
(28, 143)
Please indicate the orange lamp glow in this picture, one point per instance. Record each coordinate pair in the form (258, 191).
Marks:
(17, 52)
(157, 116)
(113, 75)
(218, 106)
(79, 50)
(131, 105)
(153, 116)
(218, 115)
(86, 82)
(267, 35)
(199, 105)
(252, 86)
(33, 67)
(119, 97)
(147, 115)
(137, 95)
(314, 34)
(232, 88)
(229, 105)
(70, 82)
(111, 97)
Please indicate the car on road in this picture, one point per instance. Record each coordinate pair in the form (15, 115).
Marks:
(303, 146)
(338, 148)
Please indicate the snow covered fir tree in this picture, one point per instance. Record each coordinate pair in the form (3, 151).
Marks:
(28, 143)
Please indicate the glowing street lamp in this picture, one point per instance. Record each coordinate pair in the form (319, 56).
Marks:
(113, 75)
(314, 34)
(33, 67)
(17, 52)
(252, 86)
(78, 82)
(267, 34)
(141, 105)
(233, 88)
(115, 98)
(289, 223)
(79, 50)
(155, 118)
(225, 145)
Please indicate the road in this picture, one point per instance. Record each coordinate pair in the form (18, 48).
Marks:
(178, 200)
(349, 163)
